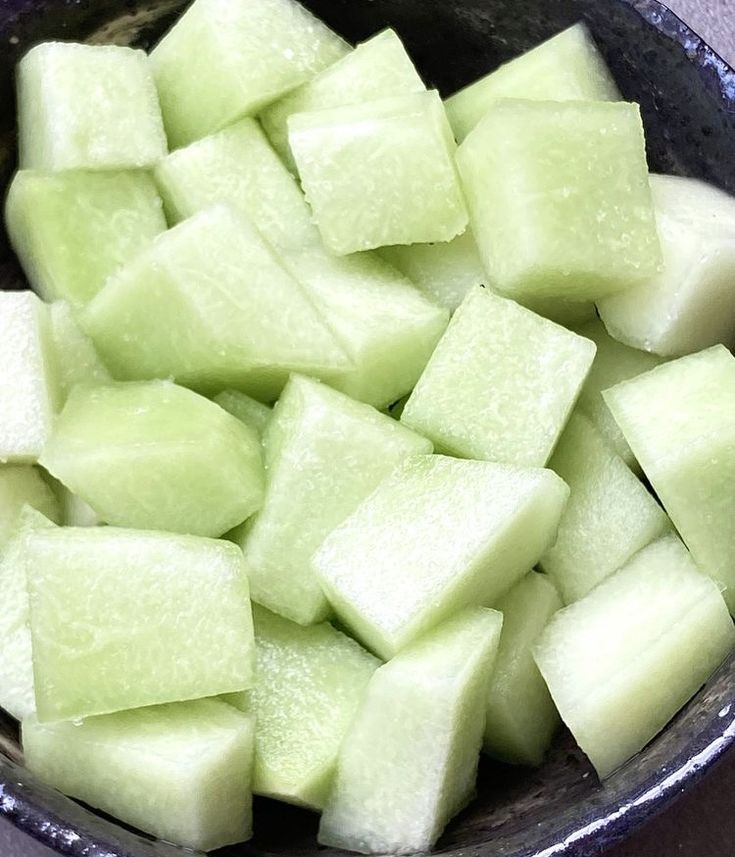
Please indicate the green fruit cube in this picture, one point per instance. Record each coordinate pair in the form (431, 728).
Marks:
(22, 485)
(75, 512)
(87, 107)
(253, 413)
(380, 173)
(409, 760)
(559, 198)
(77, 360)
(622, 661)
(436, 535)
(501, 383)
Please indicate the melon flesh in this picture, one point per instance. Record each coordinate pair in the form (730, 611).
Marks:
(75, 512)
(180, 772)
(250, 411)
(409, 760)
(77, 360)
(22, 485)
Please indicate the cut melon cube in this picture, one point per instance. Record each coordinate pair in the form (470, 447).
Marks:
(380, 173)
(500, 384)
(250, 411)
(115, 125)
(154, 456)
(436, 535)
(75, 512)
(559, 198)
(688, 305)
(209, 305)
(324, 455)
(77, 360)
(179, 772)
(609, 517)
(225, 59)
(521, 716)
(622, 661)
(679, 420)
(22, 485)
(409, 760)
(168, 620)
(567, 67)
(378, 68)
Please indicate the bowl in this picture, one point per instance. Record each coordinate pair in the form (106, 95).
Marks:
(687, 94)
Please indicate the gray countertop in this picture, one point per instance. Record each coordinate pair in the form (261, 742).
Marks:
(712, 19)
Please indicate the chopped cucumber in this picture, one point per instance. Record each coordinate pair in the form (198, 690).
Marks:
(77, 360)
(22, 485)
(250, 411)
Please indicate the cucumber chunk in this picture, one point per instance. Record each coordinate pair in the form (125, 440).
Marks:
(77, 360)
(22, 485)
(253, 413)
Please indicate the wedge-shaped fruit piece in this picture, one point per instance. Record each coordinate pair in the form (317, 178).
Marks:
(180, 772)
(324, 455)
(622, 661)
(75, 512)
(436, 535)
(521, 716)
(567, 67)
(116, 125)
(559, 198)
(168, 620)
(225, 59)
(77, 360)
(500, 384)
(250, 411)
(156, 456)
(688, 305)
(409, 760)
(22, 485)
(380, 173)
(209, 305)
(679, 420)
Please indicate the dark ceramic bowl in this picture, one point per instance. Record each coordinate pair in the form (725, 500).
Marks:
(688, 98)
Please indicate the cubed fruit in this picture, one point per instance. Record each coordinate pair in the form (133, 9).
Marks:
(521, 716)
(559, 198)
(567, 67)
(622, 661)
(688, 305)
(225, 59)
(324, 455)
(75, 512)
(180, 772)
(209, 305)
(436, 535)
(72, 230)
(679, 420)
(378, 68)
(22, 485)
(169, 619)
(156, 456)
(77, 360)
(116, 125)
(250, 411)
(501, 383)
(409, 760)
(380, 173)
(609, 517)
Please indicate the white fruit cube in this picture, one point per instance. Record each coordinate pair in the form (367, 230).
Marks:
(77, 360)
(23, 485)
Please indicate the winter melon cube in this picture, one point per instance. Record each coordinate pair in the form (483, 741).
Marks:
(380, 173)
(324, 454)
(250, 411)
(154, 456)
(168, 620)
(622, 661)
(679, 420)
(225, 59)
(77, 360)
(409, 760)
(436, 535)
(22, 485)
(87, 107)
(501, 383)
(567, 67)
(180, 772)
(559, 198)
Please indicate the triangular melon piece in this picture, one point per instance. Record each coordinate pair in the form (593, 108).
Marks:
(77, 360)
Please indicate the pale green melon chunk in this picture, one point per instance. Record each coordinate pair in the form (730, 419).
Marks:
(154, 456)
(22, 485)
(688, 305)
(567, 67)
(409, 760)
(77, 360)
(609, 517)
(521, 716)
(436, 535)
(380, 173)
(559, 198)
(501, 383)
(87, 107)
(250, 411)
(378, 68)
(225, 59)
(179, 772)
(679, 420)
(76, 512)
(622, 661)
(168, 620)
(324, 455)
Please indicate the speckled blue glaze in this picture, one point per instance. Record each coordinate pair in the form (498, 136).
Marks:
(688, 98)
